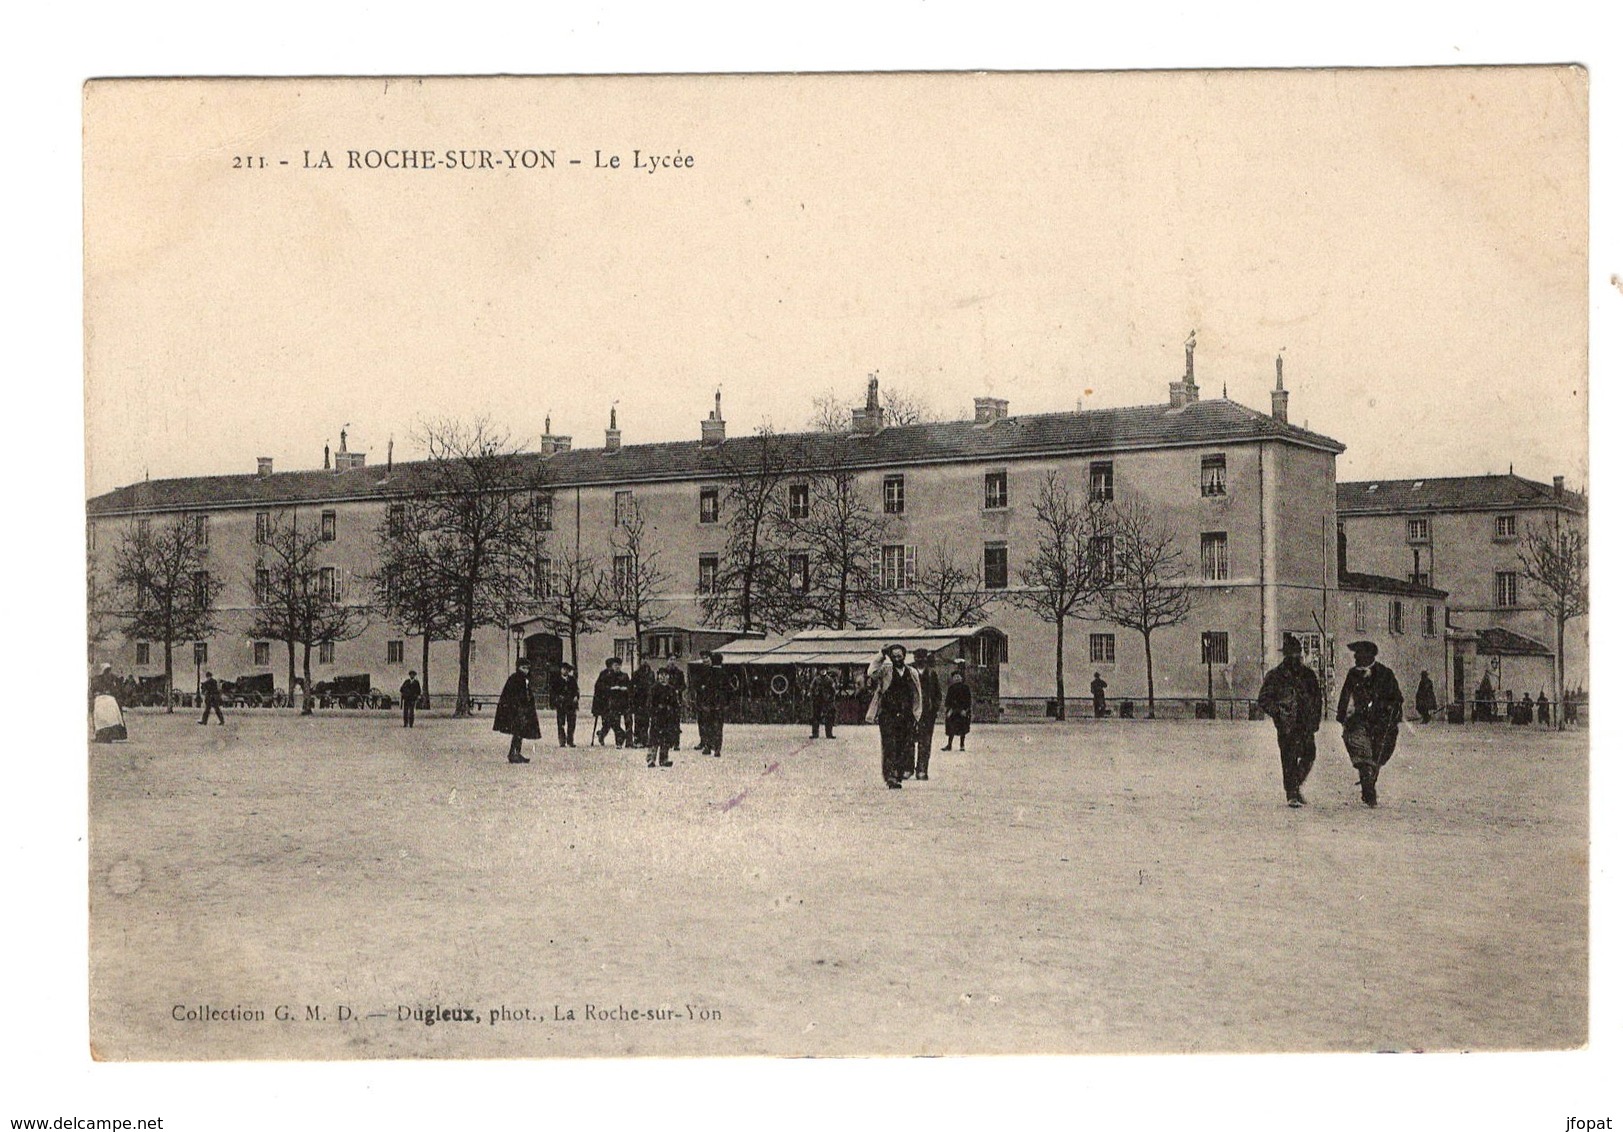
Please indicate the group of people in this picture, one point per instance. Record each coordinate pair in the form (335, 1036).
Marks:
(1484, 707)
(1370, 712)
(906, 702)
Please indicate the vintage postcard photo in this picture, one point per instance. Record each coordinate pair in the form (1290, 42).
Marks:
(867, 564)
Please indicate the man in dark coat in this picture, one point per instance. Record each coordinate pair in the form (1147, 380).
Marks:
(1543, 708)
(929, 708)
(565, 695)
(1425, 698)
(410, 692)
(824, 695)
(709, 701)
(664, 719)
(1370, 712)
(1098, 689)
(1292, 698)
(642, 699)
(610, 697)
(1483, 709)
(679, 681)
(211, 699)
(896, 705)
(515, 712)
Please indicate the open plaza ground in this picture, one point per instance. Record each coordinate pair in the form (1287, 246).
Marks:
(1091, 887)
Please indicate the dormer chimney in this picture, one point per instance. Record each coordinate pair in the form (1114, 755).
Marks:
(989, 409)
(1560, 486)
(1281, 397)
(870, 418)
(264, 465)
(713, 430)
(611, 435)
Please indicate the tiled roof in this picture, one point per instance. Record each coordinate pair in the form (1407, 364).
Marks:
(1450, 493)
(1377, 584)
(1495, 641)
(1045, 434)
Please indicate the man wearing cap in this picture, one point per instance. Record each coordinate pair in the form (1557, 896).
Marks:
(565, 695)
(410, 692)
(1370, 711)
(611, 695)
(709, 701)
(898, 701)
(515, 712)
(930, 705)
(1291, 697)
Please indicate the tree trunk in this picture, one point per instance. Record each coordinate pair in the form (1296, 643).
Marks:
(1561, 671)
(309, 706)
(1059, 669)
(291, 671)
(1149, 673)
(169, 677)
(423, 699)
(464, 695)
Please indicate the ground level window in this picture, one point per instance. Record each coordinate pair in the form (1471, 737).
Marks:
(1102, 648)
(324, 653)
(143, 652)
(1214, 648)
(261, 654)
(396, 652)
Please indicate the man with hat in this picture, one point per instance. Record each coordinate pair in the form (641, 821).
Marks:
(515, 712)
(1291, 697)
(1370, 712)
(898, 701)
(930, 705)
(410, 692)
(565, 695)
(611, 695)
(709, 702)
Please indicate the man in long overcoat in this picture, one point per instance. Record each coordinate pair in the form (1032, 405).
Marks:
(709, 701)
(930, 706)
(824, 696)
(611, 695)
(1370, 712)
(1425, 698)
(515, 712)
(642, 701)
(1292, 698)
(897, 703)
(565, 695)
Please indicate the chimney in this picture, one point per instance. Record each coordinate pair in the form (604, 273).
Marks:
(870, 418)
(264, 465)
(326, 457)
(1281, 397)
(1186, 392)
(611, 435)
(1560, 486)
(989, 409)
(389, 469)
(713, 430)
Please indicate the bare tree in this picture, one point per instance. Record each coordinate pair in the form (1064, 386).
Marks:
(947, 594)
(832, 413)
(478, 530)
(1061, 579)
(1555, 559)
(836, 541)
(579, 599)
(99, 599)
(298, 596)
(637, 583)
(751, 573)
(161, 576)
(1147, 587)
(406, 589)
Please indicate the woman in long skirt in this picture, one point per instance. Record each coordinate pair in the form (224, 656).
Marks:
(106, 716)
(957, 705)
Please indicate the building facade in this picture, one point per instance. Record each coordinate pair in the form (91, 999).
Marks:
(1250, 498)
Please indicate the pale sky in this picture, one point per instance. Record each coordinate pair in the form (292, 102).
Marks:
(1414, 241)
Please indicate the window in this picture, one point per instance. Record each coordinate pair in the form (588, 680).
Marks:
(1421, 577)
(799, 573)
(1504, 589)
(1312, 649)
(1214, 648)
(1214, 475)
(143, 652)
(261, 526)
(1360, 615)
(709, 566)
(201, 526)
(261, 585)
(327, 583)
(1102, 648)
(391, 586)
(90, 537)
(143, 528)
(1504, 528)
(541, 509)
(329, 526)
(665, 645)
(624, 507)
(200, 652)
(997, 490)
(397, 520)
(543, 578)
(1394, 618)
(1419, 530)
(626, 649)
(895, 495)
(395, 652)
(1431, 620)
(324, 653)
(261, 654)
(1214, 556)
(622, 572)
(995, 566)
(897, 567)
(200, 588)
(799, 501)
(709, 504)
(1102, 481)
(1102, 559)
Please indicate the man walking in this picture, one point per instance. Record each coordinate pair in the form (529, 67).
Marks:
(565, 696)
(930, 706)
(211, 699)
(1370, 711)
(515, 712)
(897, 703)
(824, 694)
(410, 692)
(709, 701)
(1292, 698)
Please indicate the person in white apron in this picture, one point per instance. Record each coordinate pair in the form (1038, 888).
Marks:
(106, 716)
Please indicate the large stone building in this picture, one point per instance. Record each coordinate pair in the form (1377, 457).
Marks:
(1461, 534)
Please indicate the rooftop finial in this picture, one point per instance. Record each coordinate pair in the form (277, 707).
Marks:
(612, 423)
(546, 427)
(1279, 369)
(343, 438)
